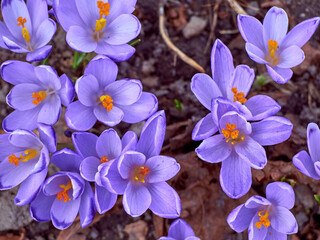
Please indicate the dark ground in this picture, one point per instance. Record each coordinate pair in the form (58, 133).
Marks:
(204, 205)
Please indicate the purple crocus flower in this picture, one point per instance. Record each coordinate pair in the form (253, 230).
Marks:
(27, 28)
(310, 164)
(266, 218)
(24, 159)
(109, 101)
(239, 147)
(180, 230)
(36, 96)
(64, 194)
(269, 43)
(104, 27)
(228, 84)
(141, 174)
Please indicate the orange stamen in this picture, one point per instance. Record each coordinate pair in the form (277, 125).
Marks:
(63, 194)
(104, 11)
(29, 154)
(104, 159)
(263, 220)
(106, 101)
(273, 47)
(231, 134)
(140, 173)
(238, 96)
(25, 32)
(39, 97)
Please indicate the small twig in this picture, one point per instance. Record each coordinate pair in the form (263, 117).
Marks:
(236, 7)
(213, 26)
(167, 40)
(229, 31)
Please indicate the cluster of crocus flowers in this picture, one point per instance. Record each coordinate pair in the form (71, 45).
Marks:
(180, 230)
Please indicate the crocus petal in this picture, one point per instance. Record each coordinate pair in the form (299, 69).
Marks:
(205, 89)
(304, 164)
(45, 32)
(117, 53)
(17, 72)
(271, 130)
(129, 161)
(4, 32)
(242, 79)
(124, 92)
(79, 117)
(14, 46)
(234, 118)
(50, 110)
(136, 199)
(25, 139)
(87, 206)
(235, 176)
(87, 88)
(275, 25)
(255, 53)
(152, 135)
(109, 118)
(38, 10)
(48, 136)
(7, 148)
(280, 75)
(180, 229)
(240, 217)
(85, 143)
(257, 202)
(118, 7)
(262, 106)
(254, 232)
(67, 160)
(252, 152)
(280, 194)
(40, 207)
(104, 199)
(80, 39)
(251, 30)
(204, 128)
(162, 168)
(109, 144)
(129, 141)
(283, 220)
(291, 57)
(313, 139)
(48, 77)
(39, 54)
(214, 149)
(88, 11)
(64, 213)
(89, 168)
(165, 200)
(21, 119)
(123, 29)
(275, 235)
(104, 69)
(317, 167)
(141, 109)
(301, 33)
(66, 92)
(222, 66)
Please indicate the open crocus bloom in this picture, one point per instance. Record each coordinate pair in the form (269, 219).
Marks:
(103, 98)
(266, 218)
(229, 84)
(239, 147)
(141, 174)
(310, 164)
(180, 230)
(269, 43)
(104, 27)
(36, 96)
(27, 28)
(24, 159)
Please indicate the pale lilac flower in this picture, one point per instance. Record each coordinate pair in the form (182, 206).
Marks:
(310, 164)
(37, 95)
(27, 28)
(104, 27)
(229, 85)
(180, 230)
(269, 43)
(266, 218)
(141, 174)
(103, 98)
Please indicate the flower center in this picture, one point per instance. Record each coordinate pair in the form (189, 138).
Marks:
(39, 97)
(107, 102)
(238, 96)
(29, 154)
(104, 159)
(140, 173)
(25, 32)
(63, 194)
(104, 11)
(263, 220)
(231, 134)
(273, 47)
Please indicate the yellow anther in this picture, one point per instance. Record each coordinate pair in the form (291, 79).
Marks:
(104, 11)
(140, 173)
(25, 32)
(39, 97)
(231, 134)
(104, 159)
(238, 96)
(29, 154)
(106, 101)
(263, 220)
(273, 48)
(63, 194)
(100, 24)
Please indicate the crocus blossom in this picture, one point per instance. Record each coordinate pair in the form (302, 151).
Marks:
(310, 164)
(180, 230)
(228, 84)
(239, 147)
(109, 101)
(24, 159)
(27, 28)
(36, 96)
(269, 43)
(140, 174)
(266, 218)
(64, 194)
(104, 27)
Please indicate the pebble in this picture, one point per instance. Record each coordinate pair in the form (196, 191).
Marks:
(194, 27)
(304, 196)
